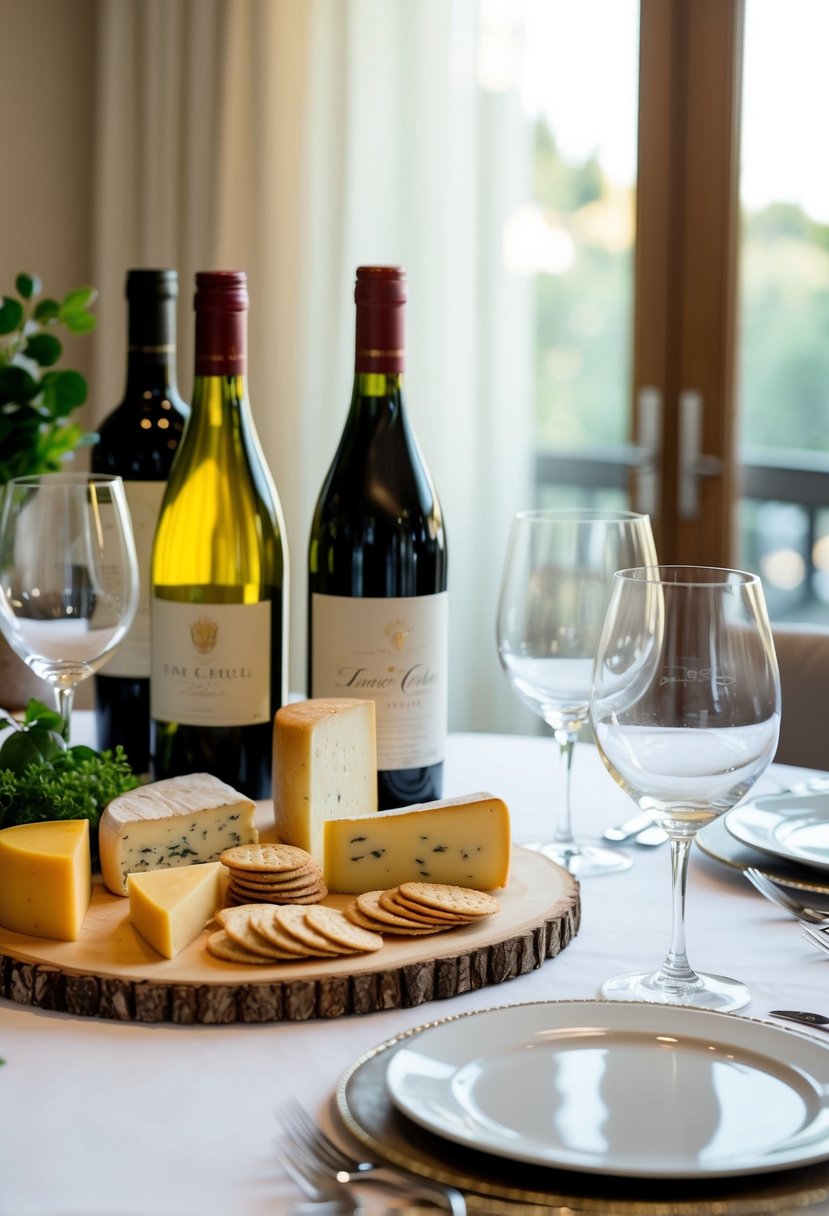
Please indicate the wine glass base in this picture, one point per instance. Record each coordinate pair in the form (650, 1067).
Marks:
(705, 992)
(583, 860)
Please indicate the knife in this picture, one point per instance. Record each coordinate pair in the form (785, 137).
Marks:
(641, 826)
(816, 1020)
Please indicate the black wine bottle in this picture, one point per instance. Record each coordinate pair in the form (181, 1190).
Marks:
(378, 604)
(138, 441)
(219, 571)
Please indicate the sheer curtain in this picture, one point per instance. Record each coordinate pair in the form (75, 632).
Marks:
(297, 139)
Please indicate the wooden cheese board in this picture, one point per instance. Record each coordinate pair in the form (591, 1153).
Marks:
(111, 972)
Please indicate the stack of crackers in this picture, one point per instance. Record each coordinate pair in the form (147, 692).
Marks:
(414, 909)
(261, 933)
(272, 874)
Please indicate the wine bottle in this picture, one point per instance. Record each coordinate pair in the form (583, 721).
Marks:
(219, 570)
(138, 441)
(378, 604)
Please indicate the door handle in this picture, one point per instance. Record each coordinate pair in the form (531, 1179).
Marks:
(648, 447)
(694, 464)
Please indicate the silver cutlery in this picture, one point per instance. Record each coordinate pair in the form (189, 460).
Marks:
(640, 828)
(816, 1020)
(783, 899)
(816, 935)
(324, 1167)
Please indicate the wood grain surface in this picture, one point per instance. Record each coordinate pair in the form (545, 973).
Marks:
(112, 972)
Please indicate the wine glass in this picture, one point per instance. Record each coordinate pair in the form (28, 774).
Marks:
(68, 575)
(557, 577)
(686, 715)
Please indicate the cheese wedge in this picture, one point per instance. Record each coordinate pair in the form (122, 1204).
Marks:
(324, 767)
(45, 878)
(463, 841)
(169, 908)
(177, 822)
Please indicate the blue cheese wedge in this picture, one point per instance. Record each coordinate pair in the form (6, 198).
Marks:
(178, 822)
(462, 841)
(324, 767)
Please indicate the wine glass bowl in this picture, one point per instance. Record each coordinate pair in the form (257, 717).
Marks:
(686, 714)
(557, 577)
(68, 575)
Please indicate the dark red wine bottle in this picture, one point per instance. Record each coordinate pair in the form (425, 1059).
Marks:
(378, 607)
(138, 441)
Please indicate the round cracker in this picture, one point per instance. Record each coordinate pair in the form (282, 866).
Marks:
(264, 923)
(352, 912)
(365, 921)
(238, 925)
(369, 903)
(392, 902)
(224, 947)
(275, 878)
(292, 919)
(266, 894)
(448, 898)
(332, 924)
(264, 857)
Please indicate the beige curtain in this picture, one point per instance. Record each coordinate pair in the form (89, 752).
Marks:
(296, 139)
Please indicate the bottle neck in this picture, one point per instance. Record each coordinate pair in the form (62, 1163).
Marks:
(379, 340)
(151, 345)
(221, 344)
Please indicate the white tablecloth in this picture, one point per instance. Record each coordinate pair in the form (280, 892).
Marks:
(101, 1118)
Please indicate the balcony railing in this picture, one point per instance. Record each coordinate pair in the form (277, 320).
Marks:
(784, 516)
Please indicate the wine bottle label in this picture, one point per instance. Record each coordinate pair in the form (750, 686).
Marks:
(395, 653)
(132, 659)
(211, 663)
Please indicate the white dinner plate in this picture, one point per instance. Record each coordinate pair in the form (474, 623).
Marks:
(652, 1091)
(794, 826)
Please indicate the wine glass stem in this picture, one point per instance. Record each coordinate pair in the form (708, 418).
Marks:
(64, 696)
(676, 965)
(564, 830)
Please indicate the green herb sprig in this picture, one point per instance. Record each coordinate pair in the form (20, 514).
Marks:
(43, 779)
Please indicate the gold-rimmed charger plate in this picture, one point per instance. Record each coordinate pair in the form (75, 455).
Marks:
(500, 1186)
(716, 842)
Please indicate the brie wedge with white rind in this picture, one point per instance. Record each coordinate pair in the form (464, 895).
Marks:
(177, 822)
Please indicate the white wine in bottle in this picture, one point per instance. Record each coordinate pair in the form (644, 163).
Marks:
(219, 570)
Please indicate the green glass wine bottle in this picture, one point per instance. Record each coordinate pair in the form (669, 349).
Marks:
(219, 570)
(378, 600)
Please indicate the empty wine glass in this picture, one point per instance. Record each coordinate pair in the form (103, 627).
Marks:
(686, 714)
(68, 575)
(557, 578)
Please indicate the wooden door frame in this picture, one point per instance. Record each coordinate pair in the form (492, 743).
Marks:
(687, 234)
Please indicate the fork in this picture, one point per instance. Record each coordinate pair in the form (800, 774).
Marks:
(782, 898)
(818, 937)
(324, 1164)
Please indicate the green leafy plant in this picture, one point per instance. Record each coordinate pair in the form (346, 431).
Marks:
(37, 398)
(43, 779)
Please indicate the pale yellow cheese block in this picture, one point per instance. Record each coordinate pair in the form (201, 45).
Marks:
(169, 908)
(180, 821)
(324, 767)
(45, 878)
(464, 841)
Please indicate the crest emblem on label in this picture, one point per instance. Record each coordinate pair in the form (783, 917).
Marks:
(204, 634)
(398, 633)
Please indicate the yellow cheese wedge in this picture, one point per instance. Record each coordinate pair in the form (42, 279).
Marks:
(45, 878)
(169, 908)
(324, 767)
(463, 841)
